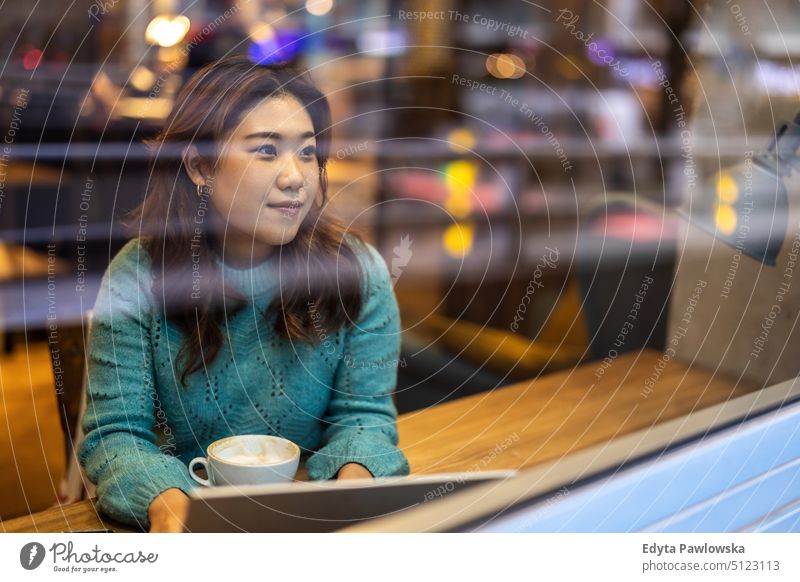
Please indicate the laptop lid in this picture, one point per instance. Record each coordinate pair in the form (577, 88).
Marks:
(320, 506)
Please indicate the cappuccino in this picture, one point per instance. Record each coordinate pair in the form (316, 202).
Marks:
(253, 451)
(248, 460)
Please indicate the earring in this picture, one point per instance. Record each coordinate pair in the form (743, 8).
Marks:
(203, 190)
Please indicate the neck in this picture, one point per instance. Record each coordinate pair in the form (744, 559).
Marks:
(243, 254)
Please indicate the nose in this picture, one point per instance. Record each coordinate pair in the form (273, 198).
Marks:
(290, 177)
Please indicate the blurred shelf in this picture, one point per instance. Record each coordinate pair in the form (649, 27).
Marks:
(574, 147)
(64, 233)
(416, 148)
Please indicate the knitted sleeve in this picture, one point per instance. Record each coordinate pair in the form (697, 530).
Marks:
(360, 422)
(119, 452)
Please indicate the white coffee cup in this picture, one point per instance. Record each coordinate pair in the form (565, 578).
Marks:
(250, 459)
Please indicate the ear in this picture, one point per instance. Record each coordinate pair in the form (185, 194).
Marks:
(195, 166)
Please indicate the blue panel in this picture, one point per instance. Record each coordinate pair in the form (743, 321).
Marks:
(784, 520)
(735, 508)
(755, 460)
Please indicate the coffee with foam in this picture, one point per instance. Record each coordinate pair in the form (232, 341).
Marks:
(253, 459)
(249, 451)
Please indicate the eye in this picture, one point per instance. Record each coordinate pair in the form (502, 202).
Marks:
(309, 151)
(267, 150)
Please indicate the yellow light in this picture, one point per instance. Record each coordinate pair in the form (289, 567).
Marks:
(261, 31)
(461, 139)
(505, 66)
(458, 205)
(512, 66)
(727, 189)
(457, 240)
(142, 78)
(459, 177)
(319, 7)
(167, 31)
(726, 219)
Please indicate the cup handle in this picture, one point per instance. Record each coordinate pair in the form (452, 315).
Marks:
(199, 461)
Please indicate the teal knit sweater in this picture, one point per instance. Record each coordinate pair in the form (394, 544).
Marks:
(333, 399)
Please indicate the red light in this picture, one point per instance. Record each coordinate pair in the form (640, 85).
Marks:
(31, 59)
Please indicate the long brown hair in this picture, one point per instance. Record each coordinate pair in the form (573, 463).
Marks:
(319, 267)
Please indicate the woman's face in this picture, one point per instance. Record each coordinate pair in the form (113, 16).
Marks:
(267, 177)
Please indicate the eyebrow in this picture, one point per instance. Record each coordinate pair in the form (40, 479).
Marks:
(275, 135)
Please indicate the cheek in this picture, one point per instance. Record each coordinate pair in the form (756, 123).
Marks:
(311, 179)
(240, 186)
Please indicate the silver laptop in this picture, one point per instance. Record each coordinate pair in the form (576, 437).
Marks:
(320, 506)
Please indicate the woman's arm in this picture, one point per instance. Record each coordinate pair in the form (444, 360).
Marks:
(361, 417)
(168, 512)
(119, 452)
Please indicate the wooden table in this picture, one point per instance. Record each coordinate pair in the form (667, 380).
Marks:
(514, 427)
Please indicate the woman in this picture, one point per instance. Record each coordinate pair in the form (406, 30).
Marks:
(241, 308)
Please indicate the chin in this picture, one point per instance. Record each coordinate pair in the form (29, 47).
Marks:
(278, 238)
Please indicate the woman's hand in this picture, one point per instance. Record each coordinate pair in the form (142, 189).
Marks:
(353, 471)
(168, 511)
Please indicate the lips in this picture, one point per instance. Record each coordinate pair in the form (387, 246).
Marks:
(286, 204)
(288, 208)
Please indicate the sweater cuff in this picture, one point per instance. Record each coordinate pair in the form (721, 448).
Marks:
(380, 458)
(137, 496)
